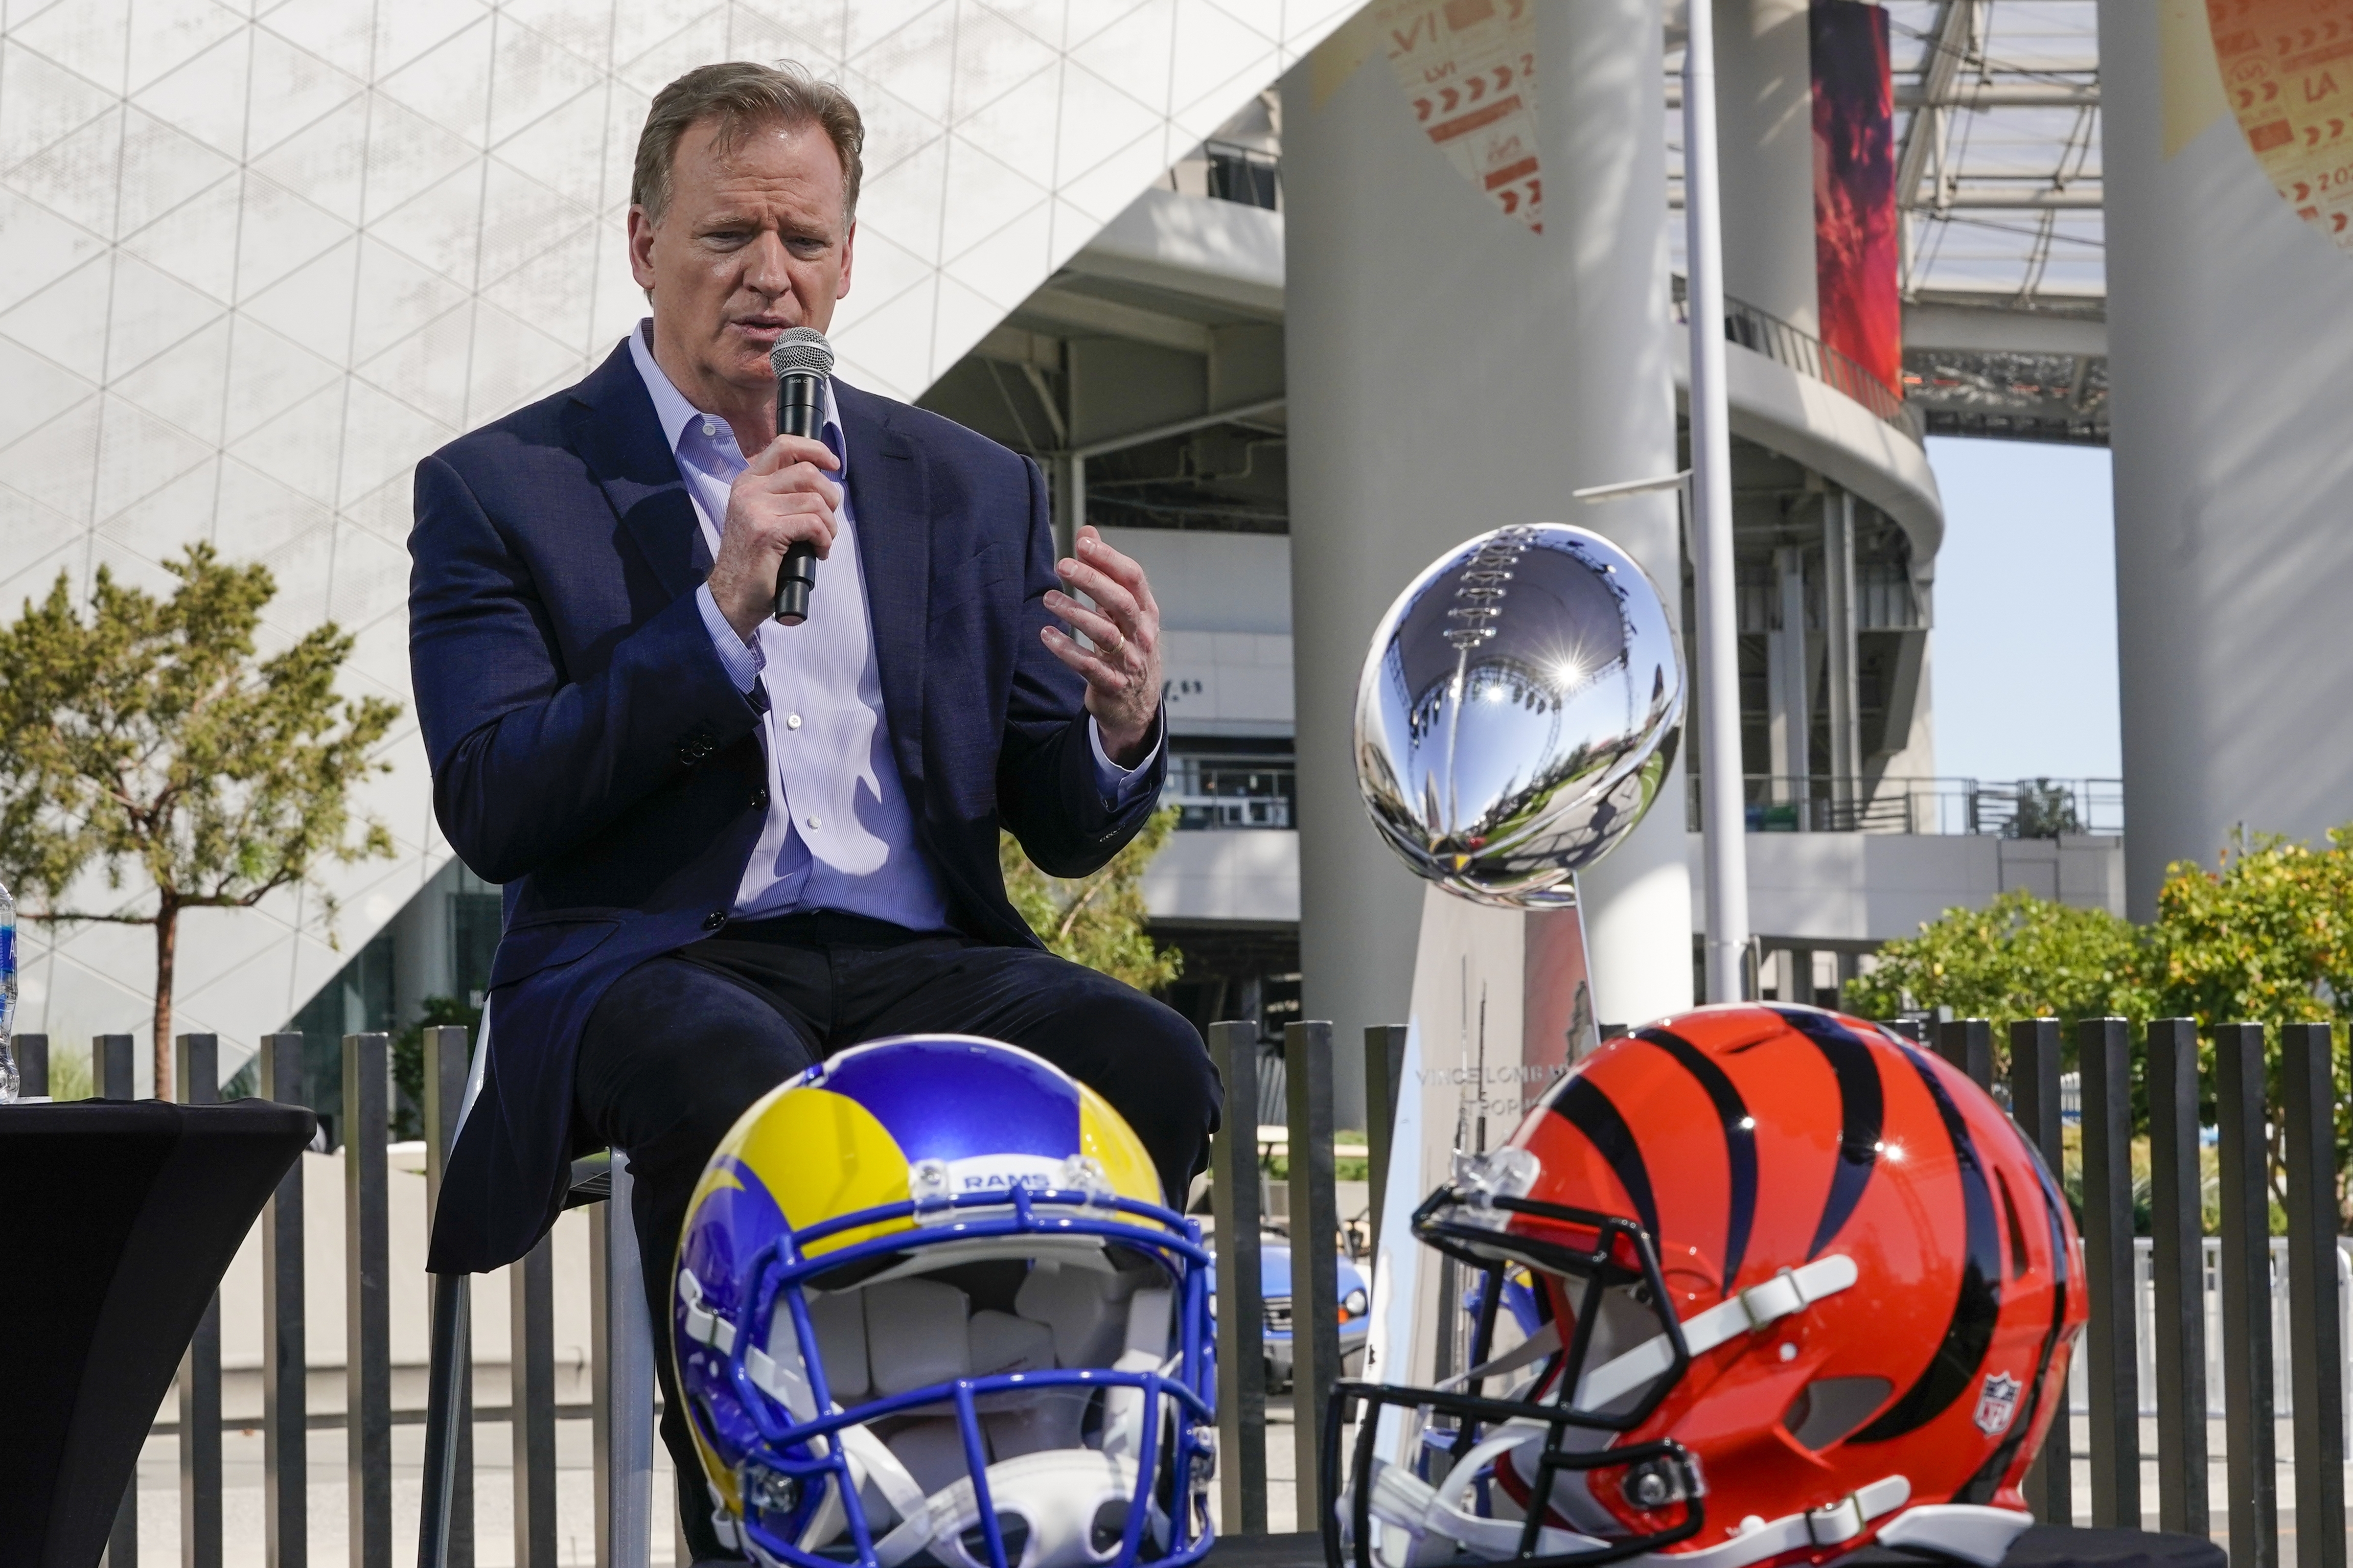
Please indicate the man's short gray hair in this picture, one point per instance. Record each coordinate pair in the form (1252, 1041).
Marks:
(742, 96)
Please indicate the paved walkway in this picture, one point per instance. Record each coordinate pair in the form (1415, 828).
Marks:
(159, 1498)
(241, 1499)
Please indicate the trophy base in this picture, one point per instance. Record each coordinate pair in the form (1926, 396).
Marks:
(1502, 1007)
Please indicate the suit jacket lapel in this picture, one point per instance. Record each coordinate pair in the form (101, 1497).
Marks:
(620, 438)
(889, 495)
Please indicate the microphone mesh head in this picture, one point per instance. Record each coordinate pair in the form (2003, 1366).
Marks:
(802, 350)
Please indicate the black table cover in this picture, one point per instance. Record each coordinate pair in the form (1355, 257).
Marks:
(2055, 1546)
(117, 1220)
(2042, 1546)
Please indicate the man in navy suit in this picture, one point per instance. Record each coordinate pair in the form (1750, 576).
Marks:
(729, 847)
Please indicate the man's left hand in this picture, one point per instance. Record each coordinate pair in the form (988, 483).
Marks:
(1123, 668)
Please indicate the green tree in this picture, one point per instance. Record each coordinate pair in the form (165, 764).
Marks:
(2045, 810)
(151, 741)
(2266, 937)
(2018, 957)
(1097, 920)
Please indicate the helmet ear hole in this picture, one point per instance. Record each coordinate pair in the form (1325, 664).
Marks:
(1011, 1529)
(1831, 1407)
(1109, 1527)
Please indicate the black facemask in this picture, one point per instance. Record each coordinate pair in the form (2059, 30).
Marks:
(1623, 1299)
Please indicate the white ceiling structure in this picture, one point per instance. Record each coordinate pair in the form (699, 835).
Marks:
(265, 254)
(1998, 170)
(1997, 106)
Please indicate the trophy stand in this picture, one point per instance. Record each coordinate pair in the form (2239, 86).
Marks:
(1502, 1007)
(1518, 709)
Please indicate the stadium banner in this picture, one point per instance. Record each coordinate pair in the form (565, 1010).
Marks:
(1855, 218)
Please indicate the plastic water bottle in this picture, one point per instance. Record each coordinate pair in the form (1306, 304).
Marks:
(8, 998)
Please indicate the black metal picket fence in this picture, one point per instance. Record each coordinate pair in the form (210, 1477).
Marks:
(2250, 1121)
(621, 1407)
(2165, 1060)
(2255, 1272)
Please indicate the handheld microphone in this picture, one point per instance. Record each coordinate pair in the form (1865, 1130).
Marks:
(802, 359)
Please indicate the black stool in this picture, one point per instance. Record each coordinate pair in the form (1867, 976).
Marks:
(624, 1383)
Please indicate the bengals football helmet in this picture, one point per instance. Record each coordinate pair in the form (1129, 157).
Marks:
(931, 1307)
(1798, 1286)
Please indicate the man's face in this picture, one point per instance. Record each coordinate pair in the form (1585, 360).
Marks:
(753, 243)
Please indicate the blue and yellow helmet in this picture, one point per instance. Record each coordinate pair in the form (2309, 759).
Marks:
(931, 1305)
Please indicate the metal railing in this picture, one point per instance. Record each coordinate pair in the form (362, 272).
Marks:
(1231, 792)
(2282, 1305)
(1765, 333)
(2242, 1326)
(2180, 1315)
(1248, 175)
(1886, 599)
(1311, 1209)
(2184, 1328)
(621, 1408)
(2022, 808)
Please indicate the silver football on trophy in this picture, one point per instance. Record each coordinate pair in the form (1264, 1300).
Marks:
(1518, 712)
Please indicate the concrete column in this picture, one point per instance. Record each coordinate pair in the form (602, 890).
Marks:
(2232, 375)
(1441, 389)
(1605, 188)
(1839, 645)
(1764, 139)
(1789, 681)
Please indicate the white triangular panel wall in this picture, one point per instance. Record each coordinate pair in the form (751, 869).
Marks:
(262, 258)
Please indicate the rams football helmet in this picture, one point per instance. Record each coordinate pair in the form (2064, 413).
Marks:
(931, 1307)
(1799, 1286)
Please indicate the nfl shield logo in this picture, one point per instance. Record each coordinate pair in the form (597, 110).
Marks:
(1997, 1404)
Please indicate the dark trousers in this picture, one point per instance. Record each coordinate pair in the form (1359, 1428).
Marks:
(681, 1045)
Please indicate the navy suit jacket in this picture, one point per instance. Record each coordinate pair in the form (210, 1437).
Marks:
(590, 752)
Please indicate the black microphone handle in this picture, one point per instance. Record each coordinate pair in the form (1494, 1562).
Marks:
(800, 411)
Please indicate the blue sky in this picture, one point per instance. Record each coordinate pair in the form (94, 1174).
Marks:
(2024, 653)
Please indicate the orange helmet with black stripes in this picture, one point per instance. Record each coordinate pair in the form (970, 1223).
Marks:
(1779, 1284)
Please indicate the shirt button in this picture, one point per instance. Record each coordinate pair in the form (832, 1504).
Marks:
(792, 720)
(815, 823)
(709, 428)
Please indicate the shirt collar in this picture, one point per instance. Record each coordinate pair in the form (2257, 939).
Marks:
(671, 406)
(677, 416)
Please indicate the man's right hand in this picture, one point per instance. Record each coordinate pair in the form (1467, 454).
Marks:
(783, 497)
